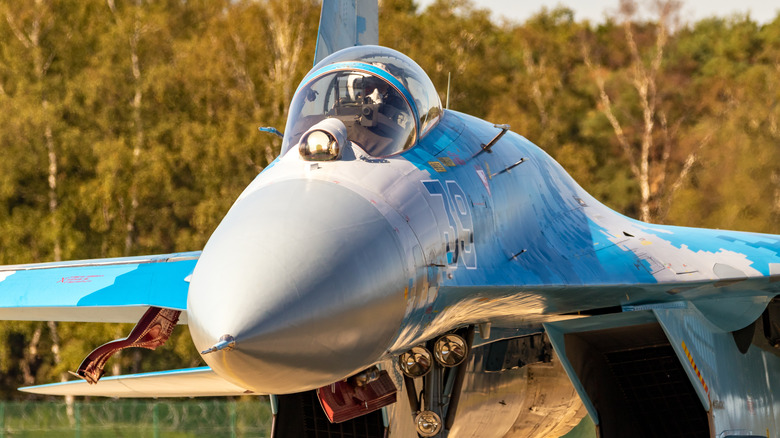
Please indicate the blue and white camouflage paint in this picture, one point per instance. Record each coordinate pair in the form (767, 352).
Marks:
(324, 268)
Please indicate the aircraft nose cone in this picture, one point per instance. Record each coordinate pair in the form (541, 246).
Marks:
(308, 278)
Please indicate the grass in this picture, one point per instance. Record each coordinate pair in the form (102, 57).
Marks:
(136, 418)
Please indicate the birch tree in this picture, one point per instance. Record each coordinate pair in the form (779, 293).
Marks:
(30, 32)
(647, 145)
(31, 27)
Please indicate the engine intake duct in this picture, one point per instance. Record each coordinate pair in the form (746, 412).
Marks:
(636, 383)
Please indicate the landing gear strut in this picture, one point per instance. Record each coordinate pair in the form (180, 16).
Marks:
(435, 405)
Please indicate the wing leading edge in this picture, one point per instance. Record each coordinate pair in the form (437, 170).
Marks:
(188, 382)
(100, 290)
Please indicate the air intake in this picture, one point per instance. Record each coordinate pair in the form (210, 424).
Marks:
(636, 383)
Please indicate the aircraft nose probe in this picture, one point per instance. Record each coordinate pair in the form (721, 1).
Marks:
(226, 343)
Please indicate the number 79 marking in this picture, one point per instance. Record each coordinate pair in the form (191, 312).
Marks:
(459, 236)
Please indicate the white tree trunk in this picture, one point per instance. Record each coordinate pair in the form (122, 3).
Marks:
(643, 78)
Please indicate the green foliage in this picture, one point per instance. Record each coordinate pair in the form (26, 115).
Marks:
(151, 110)
(246, 417)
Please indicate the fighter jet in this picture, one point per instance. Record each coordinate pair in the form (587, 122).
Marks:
(406, 270)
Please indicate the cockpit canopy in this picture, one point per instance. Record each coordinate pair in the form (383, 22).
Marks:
(385, 100)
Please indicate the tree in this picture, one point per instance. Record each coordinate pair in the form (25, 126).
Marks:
(735, 182)
(639, 141)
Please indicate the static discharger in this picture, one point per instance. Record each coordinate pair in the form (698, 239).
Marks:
(226, 342)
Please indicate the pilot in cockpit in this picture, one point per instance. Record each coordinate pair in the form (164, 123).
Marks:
(385, 101)
(373, 112)
(369, 88)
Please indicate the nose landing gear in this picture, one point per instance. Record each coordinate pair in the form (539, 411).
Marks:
(435, 405)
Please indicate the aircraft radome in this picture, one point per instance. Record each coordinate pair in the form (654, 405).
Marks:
(433, 274)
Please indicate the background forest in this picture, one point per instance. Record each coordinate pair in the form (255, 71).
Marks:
(129, 127)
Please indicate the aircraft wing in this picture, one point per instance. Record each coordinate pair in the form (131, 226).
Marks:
(189, 382)
(346, 23)
(100, 290)
(729, 304)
